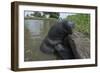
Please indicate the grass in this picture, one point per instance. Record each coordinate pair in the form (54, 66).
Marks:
(82, 23)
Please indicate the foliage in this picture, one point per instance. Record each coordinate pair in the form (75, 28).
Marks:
(36, 14)
(43, 14)
(52, 14)
(82, 23)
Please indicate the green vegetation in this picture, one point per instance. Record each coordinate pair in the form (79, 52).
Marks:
(44, 14)
(82, 22)
(52, 14)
